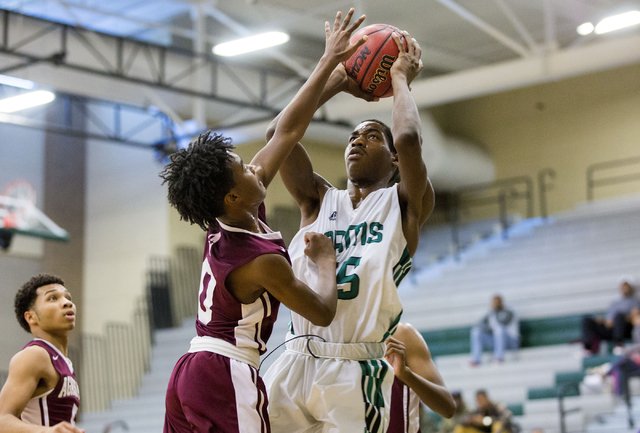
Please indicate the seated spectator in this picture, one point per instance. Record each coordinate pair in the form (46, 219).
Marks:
(498, 329)
(624, 368)
(489, 417)
(616, 326)
(460, 414)
(628, 365)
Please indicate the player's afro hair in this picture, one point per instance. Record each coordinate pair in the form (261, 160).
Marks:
(199, 177)
(26, 296)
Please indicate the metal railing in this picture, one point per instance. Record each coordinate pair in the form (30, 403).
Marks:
(562, 391)
(184, 271)
(543, 187)
(500, 193)
(159, 288)
(172, 283)
(113, 364)
(593, 183)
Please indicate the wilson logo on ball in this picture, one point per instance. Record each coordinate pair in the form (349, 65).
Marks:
(369, 66)
(381, 73)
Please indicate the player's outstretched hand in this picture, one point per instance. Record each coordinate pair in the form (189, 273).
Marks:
(396, 357)
(337, 45)
(319, 247)
(65, 427)
(408, 62)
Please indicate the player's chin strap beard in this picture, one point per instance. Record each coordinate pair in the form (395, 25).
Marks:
(307, 336)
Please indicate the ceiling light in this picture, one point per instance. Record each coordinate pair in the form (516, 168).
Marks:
(17, 82)
(26, 100)
(251, 43)
(617, 22)
(585, 29)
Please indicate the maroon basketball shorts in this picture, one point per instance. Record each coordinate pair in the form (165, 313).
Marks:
(209, 392)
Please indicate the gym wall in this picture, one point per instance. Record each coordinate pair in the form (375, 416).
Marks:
(565, 125)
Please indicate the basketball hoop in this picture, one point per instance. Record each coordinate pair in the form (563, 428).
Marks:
(19, 215)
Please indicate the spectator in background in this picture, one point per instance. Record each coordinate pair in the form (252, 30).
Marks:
(498, 329)
(629, 364)
(489, 417)
(616, 326)
(460, 414)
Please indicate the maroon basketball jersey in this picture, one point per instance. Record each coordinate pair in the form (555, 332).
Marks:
(62, 402)
(220, 315)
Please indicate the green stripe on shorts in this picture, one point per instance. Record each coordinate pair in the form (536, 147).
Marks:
(373, 374)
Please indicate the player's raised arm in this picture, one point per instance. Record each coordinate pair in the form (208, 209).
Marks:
(298, 114)
(416, 192)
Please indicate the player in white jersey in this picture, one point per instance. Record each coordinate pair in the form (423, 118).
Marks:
(340, 381)
(417, 379)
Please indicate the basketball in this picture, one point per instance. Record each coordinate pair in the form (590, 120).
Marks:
(369, 66)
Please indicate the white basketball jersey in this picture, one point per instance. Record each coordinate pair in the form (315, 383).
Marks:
(372, 259)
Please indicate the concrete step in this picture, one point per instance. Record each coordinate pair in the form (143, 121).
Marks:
(535, 354)
(134, 424)
(538, 267)
(550, 422)
(516, 371)
(531, 310)
(532, 379)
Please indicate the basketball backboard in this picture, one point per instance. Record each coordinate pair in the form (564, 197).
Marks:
(21, 217)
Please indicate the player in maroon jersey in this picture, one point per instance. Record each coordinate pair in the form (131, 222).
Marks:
(246, 270)
(416, 378)
(41, 389)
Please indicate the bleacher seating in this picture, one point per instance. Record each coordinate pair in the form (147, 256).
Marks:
(617, 421)
(539, 369)
(534, 333)
(436, 242)
(567, 267)
(563, 269)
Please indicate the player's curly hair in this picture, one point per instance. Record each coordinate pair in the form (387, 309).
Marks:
(199, 177)
(26, 296)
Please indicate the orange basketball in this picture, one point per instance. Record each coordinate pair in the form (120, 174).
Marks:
(371, 63)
